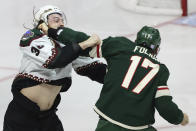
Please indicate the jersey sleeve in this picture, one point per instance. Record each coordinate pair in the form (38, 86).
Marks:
(163, 100)
(96, 51)
(92, 68)
(69, 36)
(162, 87)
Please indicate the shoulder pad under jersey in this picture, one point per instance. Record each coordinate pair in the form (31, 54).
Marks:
(29, 36)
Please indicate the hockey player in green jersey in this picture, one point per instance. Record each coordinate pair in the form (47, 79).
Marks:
(135, 85)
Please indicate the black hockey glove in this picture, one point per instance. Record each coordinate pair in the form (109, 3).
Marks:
(54, 33)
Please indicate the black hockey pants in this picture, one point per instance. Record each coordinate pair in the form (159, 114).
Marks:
(24, 115)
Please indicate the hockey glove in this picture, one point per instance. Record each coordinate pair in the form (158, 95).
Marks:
(54, 33)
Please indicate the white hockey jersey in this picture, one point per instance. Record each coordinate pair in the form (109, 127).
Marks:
(38, 52)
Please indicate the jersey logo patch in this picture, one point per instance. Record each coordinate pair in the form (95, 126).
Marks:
(27, 35)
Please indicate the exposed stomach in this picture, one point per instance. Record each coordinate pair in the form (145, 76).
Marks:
(43, 95)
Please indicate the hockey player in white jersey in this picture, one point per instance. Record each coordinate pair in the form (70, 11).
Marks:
(45, 71)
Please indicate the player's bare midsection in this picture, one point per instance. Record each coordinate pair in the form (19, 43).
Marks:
(43, 94)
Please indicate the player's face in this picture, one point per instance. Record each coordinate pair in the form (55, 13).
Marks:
(55, 21)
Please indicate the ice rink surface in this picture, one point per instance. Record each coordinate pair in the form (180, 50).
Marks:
(104, 17)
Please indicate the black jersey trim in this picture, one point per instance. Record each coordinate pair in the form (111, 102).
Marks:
(51, 58)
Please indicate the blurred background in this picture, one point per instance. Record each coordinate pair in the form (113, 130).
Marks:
(107, 18)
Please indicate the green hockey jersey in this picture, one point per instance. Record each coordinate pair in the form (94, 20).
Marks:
(135, 84)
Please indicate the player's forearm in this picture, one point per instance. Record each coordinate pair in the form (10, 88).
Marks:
(169, 110)
(67, 35)
(65, 56)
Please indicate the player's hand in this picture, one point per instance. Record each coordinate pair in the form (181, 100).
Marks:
(93, 41)
(90, 42)
(96, 40)
(185, 120)
(43, 27)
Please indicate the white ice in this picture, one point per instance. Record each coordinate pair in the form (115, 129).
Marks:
(178, 52)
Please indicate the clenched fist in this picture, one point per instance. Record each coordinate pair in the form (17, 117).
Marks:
(90, 42)
(43, 27)
(185, 120)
